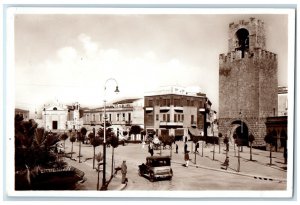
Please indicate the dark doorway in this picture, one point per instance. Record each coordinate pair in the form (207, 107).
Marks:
(242, 132)
(54, 125)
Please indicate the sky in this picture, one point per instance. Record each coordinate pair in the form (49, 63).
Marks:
(68, 58)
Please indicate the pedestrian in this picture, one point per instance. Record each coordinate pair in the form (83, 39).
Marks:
(185, 148)
(196, 147)
(186, 158)
(176, 148)
(185, 139)
(151, 149)
(226, 163)
(124, 171)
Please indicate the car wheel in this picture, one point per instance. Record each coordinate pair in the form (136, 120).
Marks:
(151, 176)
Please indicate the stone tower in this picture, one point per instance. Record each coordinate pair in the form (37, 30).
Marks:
(247, 82)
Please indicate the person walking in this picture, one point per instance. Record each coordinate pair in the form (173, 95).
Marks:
(186, 158)
(185, 148)
(196, 147)
(124, 172)
(176, 148)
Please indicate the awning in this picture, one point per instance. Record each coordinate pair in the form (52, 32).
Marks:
(195, 132)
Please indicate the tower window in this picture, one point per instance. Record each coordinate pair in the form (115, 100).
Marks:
(242, 36)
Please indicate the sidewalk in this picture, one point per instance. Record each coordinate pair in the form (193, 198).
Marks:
(91, 177)
(258, 168)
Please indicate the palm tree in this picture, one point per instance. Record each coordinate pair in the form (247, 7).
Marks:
(251, 139)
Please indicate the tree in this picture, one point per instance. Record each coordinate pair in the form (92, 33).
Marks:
(64, 137)
(220, 135)
(95, 141)
(226, 142)
(114, 142)
(72, 140)
(99, 158)
(135, 129)
(195, 139)
(251, 138)
(269, 139)
(238, 142)
(80, 139)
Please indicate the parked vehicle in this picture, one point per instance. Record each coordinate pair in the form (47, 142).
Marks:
(156, 167)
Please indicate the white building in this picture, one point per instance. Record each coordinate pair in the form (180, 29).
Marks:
(282, 101)
(59, 117)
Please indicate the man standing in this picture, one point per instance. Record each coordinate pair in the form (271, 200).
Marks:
(124, 171)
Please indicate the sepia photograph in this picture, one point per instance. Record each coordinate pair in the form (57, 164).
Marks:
(132, 102)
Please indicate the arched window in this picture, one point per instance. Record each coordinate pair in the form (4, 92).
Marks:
(55, 108)
(242, 36)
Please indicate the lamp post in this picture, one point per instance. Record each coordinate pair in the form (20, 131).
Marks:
(104, 184)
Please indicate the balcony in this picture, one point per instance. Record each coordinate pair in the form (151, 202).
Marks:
(178, 109)
(149, 109)
(164, 108)
(171, 124)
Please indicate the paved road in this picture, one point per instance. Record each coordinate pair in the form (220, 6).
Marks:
(206, 174)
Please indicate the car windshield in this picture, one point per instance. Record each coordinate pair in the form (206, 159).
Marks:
(160, 163)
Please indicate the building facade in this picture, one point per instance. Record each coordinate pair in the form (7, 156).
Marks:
(121, 114)
(58, 117)
(248, 82)
(282, 101)
(172, 110)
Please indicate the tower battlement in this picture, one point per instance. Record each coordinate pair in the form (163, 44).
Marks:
(258, 53)
(252, 22)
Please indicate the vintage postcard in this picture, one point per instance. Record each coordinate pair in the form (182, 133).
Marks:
(149, 102)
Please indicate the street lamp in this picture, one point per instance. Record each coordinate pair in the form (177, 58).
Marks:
(104, 185)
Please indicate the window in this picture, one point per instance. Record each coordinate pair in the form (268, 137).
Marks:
(110, 117)
(100, 117)
(118, 117)
(157, 117)
(182, 118)
(157, 101)
(164, 117)
(192, 119)
(178, 117)
(55, 108)
(129, 117)
(168, 117)
(175, 117)
(94, 117)
(123, 116)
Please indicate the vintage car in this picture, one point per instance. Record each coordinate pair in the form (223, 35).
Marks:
(156, 167)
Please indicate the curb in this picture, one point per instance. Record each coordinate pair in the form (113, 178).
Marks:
(241, 174)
